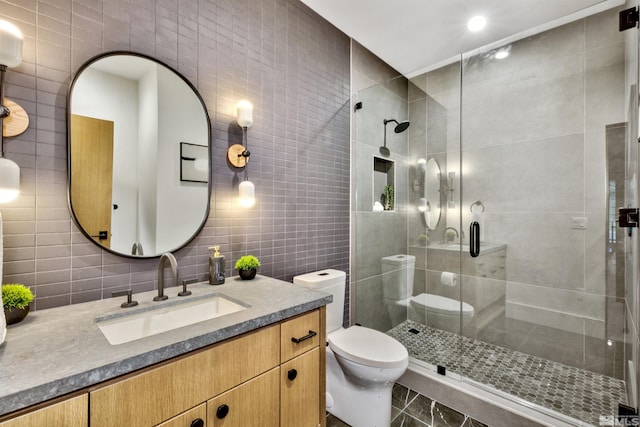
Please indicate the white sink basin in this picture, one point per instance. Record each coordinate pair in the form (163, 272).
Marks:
(127, 327)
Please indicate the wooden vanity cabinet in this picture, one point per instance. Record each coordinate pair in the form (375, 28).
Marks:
(195, 417)
(288, 396)
(274, 376)
(72, 412)
(302, 368)
(299, 400)
(161, 392)
(254, 403)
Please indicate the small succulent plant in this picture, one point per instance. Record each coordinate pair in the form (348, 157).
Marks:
(247, 262)
(16, 296)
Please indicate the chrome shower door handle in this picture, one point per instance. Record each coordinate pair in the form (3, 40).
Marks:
(474, 239)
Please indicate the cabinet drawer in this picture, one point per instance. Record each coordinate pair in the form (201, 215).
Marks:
(189, 418)
(299, 385)
(254, 403)
(299, 328)
(72, 412)
(160, 393)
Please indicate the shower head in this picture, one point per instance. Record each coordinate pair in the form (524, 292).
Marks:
(400, 126)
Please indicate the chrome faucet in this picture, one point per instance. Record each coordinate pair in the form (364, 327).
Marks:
(174, 274)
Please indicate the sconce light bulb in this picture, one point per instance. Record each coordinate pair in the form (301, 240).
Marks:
(9, 180)
(247, 194)
(10, 44)
(422, 205)
(245, 113)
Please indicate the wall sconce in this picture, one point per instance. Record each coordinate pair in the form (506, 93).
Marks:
(10, 56)
(452, 178)
(238, 155)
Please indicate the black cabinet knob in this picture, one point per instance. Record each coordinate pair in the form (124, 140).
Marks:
(292, 374)
(222, 411)
(197, 423)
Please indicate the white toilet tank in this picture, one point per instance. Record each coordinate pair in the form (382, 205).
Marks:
(397, 276)
(332, 282)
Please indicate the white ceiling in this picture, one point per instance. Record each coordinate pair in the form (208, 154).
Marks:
(414, 35)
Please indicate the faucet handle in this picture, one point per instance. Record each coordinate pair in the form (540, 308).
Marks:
(185, 292)
(129, 294)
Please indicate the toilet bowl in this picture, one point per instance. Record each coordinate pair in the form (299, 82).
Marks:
(362, 363)
(434, 310)
(440, 312)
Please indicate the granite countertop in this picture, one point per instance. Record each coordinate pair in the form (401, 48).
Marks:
(61, 350)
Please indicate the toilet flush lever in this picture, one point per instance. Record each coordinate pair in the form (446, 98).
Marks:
(306, 337)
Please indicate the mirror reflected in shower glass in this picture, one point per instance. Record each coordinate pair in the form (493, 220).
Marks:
(432, 194)
(128, 116)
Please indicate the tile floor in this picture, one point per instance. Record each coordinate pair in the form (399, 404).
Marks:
(578, 350)
(572, 391)
(411, 409)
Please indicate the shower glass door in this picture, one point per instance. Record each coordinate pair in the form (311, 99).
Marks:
(546, 124)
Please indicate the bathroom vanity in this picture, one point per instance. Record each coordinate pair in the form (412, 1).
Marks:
(259, 366)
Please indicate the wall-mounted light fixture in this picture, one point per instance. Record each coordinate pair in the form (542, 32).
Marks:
(452, 179)
(238, 155)
(10, 56)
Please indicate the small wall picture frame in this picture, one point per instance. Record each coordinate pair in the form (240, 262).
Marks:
(194, 162)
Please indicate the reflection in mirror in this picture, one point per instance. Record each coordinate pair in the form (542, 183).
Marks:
(432, 194)
(127, 117)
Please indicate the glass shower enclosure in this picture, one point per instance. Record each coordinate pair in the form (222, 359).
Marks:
(500, 258)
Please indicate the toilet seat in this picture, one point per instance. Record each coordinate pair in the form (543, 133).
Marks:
(439, 304)
(368, 347)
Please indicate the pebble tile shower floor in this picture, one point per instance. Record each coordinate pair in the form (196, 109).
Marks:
(571, 391)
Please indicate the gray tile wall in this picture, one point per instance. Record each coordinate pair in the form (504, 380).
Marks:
(289, 62)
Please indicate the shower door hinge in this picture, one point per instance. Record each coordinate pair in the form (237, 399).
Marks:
(628, 217)
(628, 18)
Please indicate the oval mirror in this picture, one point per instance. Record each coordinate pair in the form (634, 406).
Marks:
(138, 155)
(432, 193)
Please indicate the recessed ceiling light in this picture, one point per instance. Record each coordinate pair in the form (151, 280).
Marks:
(477, 23)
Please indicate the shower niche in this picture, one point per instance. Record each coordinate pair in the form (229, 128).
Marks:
(383, 184)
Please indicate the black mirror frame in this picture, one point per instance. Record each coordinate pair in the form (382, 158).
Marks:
(68, 129)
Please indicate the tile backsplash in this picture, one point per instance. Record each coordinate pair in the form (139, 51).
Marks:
(288, 61)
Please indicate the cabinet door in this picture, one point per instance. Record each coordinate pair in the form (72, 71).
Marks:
(158, 394)
(197, 417)
(252, 404)
(299, 391)
(73, 412)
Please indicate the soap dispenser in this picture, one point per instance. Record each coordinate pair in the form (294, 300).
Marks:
(216, 266)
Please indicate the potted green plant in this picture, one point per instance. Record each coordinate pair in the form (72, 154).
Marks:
(247, 267)
(422, 240)
(15, 301)
(388, 197)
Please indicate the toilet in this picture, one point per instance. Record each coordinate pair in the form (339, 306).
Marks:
(362, 364)
(429, 309)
